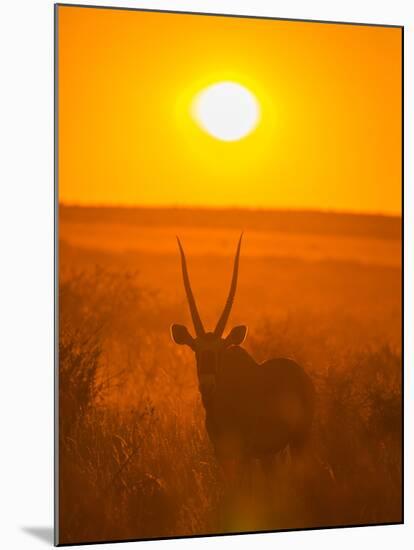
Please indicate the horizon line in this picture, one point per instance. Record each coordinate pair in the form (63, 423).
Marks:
(263, 209)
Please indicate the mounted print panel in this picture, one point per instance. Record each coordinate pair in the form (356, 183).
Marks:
(229, 300)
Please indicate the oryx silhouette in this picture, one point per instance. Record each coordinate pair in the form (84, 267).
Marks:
(252, 411)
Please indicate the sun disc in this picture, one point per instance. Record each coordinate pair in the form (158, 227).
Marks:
(227, 111)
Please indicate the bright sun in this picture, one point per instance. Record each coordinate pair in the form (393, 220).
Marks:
(226, 110)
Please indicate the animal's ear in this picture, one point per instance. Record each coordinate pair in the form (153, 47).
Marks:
(236, 336)
(180, 335)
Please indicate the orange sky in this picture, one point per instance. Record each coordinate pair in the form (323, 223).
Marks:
(330, 97)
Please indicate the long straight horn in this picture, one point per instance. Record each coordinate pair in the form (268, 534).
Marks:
(221, 325)
(198, 325)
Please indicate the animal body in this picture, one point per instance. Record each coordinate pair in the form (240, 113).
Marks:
(252, 411)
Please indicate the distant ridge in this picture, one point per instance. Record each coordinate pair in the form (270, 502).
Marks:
(288, 221)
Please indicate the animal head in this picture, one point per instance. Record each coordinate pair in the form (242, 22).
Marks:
(208, 346)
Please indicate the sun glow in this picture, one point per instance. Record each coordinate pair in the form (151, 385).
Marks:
(304, 112)
(227, 111)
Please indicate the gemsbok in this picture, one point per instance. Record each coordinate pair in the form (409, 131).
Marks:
(252, 411)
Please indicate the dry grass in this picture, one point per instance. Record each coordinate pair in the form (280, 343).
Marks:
(135, 461)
